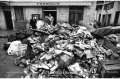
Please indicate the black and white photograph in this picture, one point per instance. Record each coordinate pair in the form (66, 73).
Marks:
(59, 39)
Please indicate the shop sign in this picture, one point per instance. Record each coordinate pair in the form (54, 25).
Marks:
(48, 3)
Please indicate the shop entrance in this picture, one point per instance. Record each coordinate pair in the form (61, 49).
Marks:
(53, 13)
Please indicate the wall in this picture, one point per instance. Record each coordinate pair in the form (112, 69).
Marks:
(90, 13)
(2, 20)
(63, 13)
(117, 5)
(28, 11)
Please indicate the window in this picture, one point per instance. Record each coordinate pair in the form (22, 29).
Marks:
(19, 16)
(75, 14)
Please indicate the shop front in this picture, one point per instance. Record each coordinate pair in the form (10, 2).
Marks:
(64, 11)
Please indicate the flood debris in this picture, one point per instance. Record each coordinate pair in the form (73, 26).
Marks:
(63, 51)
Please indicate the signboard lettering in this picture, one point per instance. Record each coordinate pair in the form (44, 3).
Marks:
(48, 3)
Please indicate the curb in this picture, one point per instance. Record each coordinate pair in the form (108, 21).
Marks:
(4, 36)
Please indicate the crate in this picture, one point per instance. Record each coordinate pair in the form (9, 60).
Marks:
(109, 68)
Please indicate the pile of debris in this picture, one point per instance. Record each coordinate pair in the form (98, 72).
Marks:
(60, 52)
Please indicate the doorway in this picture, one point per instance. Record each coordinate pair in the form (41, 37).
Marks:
(104, 21)
(99, 18)
(108, 20)
(8, 20)
(53, 13)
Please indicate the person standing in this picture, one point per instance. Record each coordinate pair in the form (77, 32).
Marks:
(33, 22)
(51, 18)
(46, 20)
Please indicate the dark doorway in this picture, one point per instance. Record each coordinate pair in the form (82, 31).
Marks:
(108, 21)
(116, 18)
(53, 13)
(99, 17)
(8, 20)
(104, 21)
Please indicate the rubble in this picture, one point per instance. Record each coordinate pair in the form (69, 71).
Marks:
(64, 53)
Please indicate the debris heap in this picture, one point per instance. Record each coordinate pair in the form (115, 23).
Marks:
(59, 52)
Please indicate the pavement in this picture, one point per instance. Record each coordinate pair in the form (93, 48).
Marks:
(7, 67)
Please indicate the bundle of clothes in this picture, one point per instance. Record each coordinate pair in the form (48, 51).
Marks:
(63, 52)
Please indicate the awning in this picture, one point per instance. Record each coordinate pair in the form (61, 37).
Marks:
(76, 3)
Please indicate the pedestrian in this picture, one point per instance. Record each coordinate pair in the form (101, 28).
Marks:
(33, 22)
(51, 18)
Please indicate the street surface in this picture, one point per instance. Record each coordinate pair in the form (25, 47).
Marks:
(7, 66)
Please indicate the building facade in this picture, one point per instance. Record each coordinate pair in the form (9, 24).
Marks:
(108, 13)
(16, 15)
